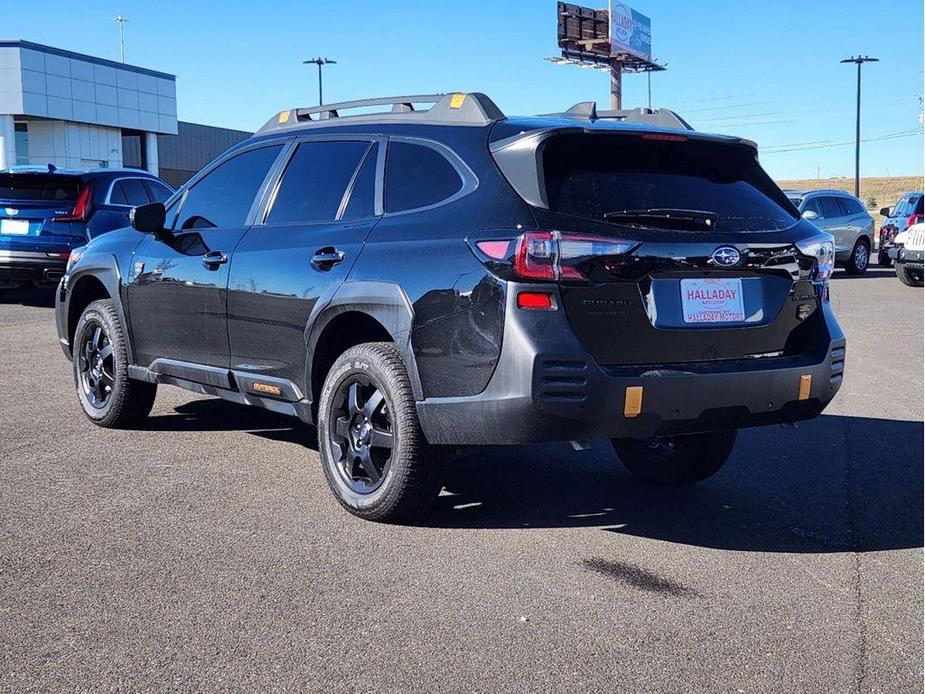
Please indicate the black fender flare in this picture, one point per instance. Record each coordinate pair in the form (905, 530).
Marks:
(103, 267)
(386, 302)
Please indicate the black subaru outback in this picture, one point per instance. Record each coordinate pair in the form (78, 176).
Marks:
(421, 281)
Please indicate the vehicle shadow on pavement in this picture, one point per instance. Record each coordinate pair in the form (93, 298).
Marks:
(870, 274)
(835, 484)
(215, 414)
(40, 297)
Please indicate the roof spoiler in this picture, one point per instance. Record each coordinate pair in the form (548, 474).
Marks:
(457, 108)
(655, 117)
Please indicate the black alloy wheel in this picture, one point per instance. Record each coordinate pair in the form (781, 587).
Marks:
(96, 367)
(360, 432)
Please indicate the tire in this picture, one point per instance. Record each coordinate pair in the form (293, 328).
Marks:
(375, 457)
(908, 277)
(107, 395)
(860, 258)
(678, 459)
(883, 260)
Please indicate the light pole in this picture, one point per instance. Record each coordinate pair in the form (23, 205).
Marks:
(120, 20)
(860, 60)
(320, 62)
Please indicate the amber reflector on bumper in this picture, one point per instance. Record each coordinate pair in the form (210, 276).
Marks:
(632, 405)
(806, 383)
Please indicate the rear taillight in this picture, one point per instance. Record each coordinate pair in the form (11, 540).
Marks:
(81, 208)
(913, 219)
(552, 256)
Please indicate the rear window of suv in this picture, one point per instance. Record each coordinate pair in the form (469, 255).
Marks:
(39, 187)
(593, 175)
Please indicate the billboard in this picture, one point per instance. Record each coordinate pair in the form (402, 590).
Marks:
(630, 32)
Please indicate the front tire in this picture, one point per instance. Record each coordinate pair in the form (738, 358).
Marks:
(375, 457)
(860, 258)
(107, 395)
(910, 278)
(676, 460)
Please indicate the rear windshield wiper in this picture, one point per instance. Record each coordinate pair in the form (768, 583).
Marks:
(666, 217)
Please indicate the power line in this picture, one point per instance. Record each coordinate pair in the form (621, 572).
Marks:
(890, 136)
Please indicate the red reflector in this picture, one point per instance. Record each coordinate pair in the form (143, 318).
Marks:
(494, 249)
(664, 137)
(534, 300)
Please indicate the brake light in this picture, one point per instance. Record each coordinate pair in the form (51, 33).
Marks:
(913, 219)
(81, 207)
(552, 256)
(663, 137)
(60, 256)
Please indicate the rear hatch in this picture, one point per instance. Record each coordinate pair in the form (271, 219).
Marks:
(38, 210)
(670, 248)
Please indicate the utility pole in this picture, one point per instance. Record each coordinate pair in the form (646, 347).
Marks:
(859, 60)
(320, 62)
(616, 84)
(120, 20)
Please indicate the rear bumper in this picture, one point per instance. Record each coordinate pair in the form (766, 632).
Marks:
(30, 266)
(556, 392)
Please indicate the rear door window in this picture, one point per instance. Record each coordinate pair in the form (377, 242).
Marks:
(417, 176)
(224, 196)
(157, 191)
(315, 182)
(604, 176)
(362, 202)
(830, 208)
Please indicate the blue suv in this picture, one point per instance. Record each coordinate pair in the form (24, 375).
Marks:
(46, 212)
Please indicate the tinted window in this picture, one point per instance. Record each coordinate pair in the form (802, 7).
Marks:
(417, 176)
(117, 195)
(44, 187)
(593, 175)
(851, 206)
(224, 197)
(362, 198)
(315, 181)
(831, 208)
(901, 208)
(918, 206)
(135, 191)
(158, 192)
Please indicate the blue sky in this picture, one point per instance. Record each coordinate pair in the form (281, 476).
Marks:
(767, 71)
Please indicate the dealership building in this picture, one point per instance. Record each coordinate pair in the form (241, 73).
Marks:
(81, 112)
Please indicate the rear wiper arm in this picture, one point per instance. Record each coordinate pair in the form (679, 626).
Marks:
(666, 216)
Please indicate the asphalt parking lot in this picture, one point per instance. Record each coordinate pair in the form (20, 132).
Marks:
(206, 553)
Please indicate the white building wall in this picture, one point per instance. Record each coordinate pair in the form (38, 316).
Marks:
(74, 145)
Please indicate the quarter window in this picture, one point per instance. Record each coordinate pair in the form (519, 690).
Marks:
(315, 181)
(158, 192)
(129, 191)
(225, 195)
(417, 176)
(363, 195)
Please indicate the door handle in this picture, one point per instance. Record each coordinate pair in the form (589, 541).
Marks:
(327, 257)
(213, 259)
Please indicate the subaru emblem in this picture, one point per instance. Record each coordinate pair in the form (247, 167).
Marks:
(727, 256)
(11, 212)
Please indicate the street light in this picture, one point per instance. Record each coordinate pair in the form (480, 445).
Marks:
(120, 20)
(320, 62)
(860, 60)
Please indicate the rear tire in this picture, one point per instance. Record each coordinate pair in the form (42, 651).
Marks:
(678, 459)
(107, 395)
(910, 278)
(375, 457)
(860, 258)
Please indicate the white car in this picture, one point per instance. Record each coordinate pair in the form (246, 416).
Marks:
(908, 253)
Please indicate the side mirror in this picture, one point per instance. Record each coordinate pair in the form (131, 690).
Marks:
(150, 219)
(886, 211)
(810, 215)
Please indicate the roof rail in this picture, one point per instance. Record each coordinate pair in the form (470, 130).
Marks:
(658, 117)
(457, 108)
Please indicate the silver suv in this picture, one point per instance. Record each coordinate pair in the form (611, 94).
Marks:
(844, 217)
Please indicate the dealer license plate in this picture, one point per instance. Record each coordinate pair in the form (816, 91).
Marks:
(712, 300)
